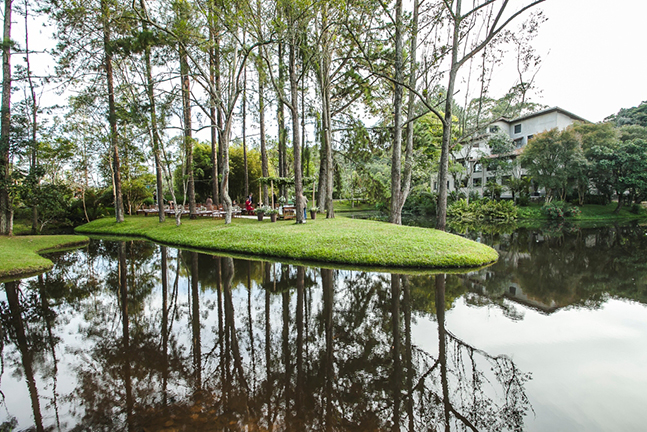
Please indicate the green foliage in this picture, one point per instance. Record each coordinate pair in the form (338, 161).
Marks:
(621, 169)
(421, 201)
(237, 172)
(501, 145)
(552, 158)
(631, 116)
(493, 190)
(483, 210)
(138, 189)
(560, 210)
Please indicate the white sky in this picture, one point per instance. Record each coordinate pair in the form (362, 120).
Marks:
(594, 56)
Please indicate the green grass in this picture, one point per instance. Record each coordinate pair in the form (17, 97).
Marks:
(589, 212)
(343, 206)
(19, 255)
(340, 241)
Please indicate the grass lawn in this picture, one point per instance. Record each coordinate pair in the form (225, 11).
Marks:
(344, 206)
(589, 212)
(19, 254)
(339, 241)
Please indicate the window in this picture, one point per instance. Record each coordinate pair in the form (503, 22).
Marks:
(476, 182)
(494, 129)
(517, 128)
(478, 167)
(518, 143)
(529, 138)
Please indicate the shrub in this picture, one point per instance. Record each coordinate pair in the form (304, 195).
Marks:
(596, 199)
(475, 196)
(560, 210)
(421, 202)
(483, 210)
(455, 196)
(523, 200)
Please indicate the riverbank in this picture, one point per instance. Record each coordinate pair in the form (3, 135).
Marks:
(19, 255)
(589, 212)
(339, 241)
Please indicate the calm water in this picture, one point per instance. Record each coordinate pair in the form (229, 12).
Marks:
(134, 336)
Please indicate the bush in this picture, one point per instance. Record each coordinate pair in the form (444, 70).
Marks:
(483, 210)
(475, 196)
(421, 202)
(560, 210)
(523, 200)
(455, 196)
(596, 199)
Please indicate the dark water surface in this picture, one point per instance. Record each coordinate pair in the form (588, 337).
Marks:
(133, 336)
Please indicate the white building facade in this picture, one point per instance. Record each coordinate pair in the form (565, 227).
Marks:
(520, 130)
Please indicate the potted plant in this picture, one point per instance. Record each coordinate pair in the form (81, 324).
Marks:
(273, 213)
(260, 211)
(313, 212)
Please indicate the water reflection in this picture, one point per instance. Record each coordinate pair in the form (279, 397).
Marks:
(143, 336)
(562, 265)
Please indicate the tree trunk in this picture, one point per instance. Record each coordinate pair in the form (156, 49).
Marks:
(408, 158)
(33, 161)
(6, 208)
(245, 132)
(214, 110)
(396, 169)
(188, 139)
(326, 168)
(441, 216)
(323, 164)
(112, 114)
(261, 115)
(154, 129)
(280, 117)
(224, 184)
(296, 137)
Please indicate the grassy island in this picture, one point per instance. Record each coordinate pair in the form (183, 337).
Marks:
(19, 255)
(337, 241)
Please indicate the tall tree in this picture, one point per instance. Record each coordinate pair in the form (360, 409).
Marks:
(112, 110)
(471, 32)
(183, 30)
(6, 207)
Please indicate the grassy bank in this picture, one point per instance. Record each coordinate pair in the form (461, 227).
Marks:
(589, 212)
(340, 240)
(19, 255)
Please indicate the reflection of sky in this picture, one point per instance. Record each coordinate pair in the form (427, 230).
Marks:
(588, 366)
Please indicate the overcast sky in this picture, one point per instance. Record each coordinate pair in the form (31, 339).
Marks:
(594, 56)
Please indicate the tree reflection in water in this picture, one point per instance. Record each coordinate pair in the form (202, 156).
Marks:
(174, 340)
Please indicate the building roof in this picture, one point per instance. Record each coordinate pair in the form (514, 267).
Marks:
(542, 112)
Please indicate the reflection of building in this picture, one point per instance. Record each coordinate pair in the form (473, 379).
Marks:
(520, 130)
(516, 294)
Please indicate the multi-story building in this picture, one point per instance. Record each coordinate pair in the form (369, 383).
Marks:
(520, 130)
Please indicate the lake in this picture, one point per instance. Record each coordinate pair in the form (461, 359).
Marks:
(134, 336)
